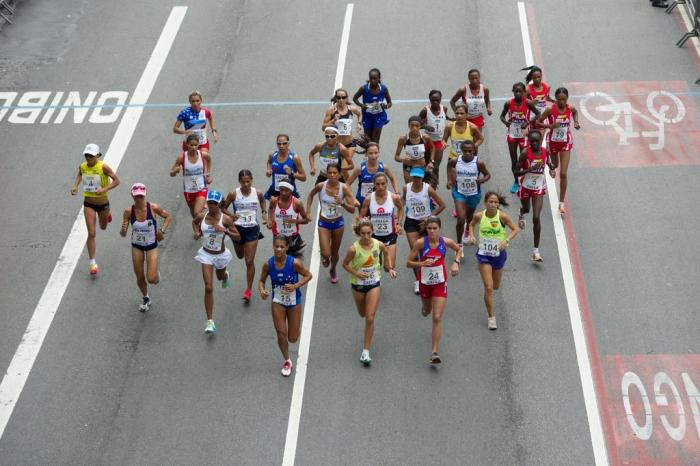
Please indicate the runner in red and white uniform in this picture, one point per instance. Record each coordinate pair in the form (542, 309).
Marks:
(194, 119)
(477, 98)
(537, 90)
(533, 185)
(428, 254)
(385, 211)
(433, 118)
(284, 216)
(516, 116)
(195, 167)
(558, 119)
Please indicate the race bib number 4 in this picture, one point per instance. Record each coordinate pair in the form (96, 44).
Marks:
(432, 275)
(283, 297)
(91, 183)
(489, 247)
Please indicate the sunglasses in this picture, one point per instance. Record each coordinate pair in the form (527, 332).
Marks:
(341, 97)
(89, 156)
(282, 143)
(331, 136)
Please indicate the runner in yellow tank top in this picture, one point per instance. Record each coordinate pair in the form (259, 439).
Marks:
(363, 261)
(95, 178)
(459, 131)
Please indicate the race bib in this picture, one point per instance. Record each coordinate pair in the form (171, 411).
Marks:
(344, 126)
(559, 134)
(418, 209)
(330, 210)
(375, 108)
(325, 160)
(475, 107)
(286, 228)
(381, 225)
(201, 134)
(515, 130)
(533, 181)
(432, 275)
(366, 188)
(194, 183)
(212, 240)
(438, 128)
(489, 247)
(246, 218)
(457, 146)
(91, 183)
(416, 152)
(143, 236)
(283, 297)
(467, 186)
(278, 178)
(372, 276)
(541, 104)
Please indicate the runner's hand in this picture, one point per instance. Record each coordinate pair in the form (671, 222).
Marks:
(289, 287)
(472, 240)
(454, 269)
(74, 190)
(313, 172)
(502, 245)
(264, 294)
(362, 275)
(393, 273)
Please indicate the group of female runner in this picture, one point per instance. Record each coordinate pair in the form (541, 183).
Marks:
(382, 214)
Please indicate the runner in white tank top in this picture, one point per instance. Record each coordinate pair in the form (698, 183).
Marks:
(195, 167)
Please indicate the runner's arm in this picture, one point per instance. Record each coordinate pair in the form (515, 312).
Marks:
(413, 257)
(305, 273)
(78, 179)
(312, 160)
(263, 206)
(349, 256)
(356, 99)
(475, 221)
(310, 197)
(543, 117)
(264, 294)
(461, 92)
(574, 113)
(212, 125)
(483, 170)
(399, 146)
(478, 137)
(387, 97)
(487, 101)
(300, 174)
(112, 175)
(125, 222)
(165, 215)
(436, 197)
(504, 113)
(364, 209)
(451, 173)
(176, 166)
(353, 176)
(398, 202)
(304, 218)
(392, 179)
(348, 199)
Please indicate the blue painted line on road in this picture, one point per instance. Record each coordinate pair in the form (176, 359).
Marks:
(281, 103)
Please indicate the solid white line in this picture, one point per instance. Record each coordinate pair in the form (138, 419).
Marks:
(290, 445)
(589, 395)
(33, 338)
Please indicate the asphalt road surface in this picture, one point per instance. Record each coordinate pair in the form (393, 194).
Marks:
(111, 385)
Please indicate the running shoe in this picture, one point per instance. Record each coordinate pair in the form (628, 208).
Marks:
(416, 288)
(365, 359)
(109, 218)
(287, 368)
(325, 262)
(226, 282)
(425, 312)
(562, 208)
(334, 277)
(247, 294)
(514, 188)
(435, 358)
(94, 269)
(211, 327)
(536, 256)
(465, 236)
(492, 323)
(521, 222)
(145, 306)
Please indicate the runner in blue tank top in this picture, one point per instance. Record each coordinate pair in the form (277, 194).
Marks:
(284, 272)
(375, 101)
(366, 172)
(283, 164)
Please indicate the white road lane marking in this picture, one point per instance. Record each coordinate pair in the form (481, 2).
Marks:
(589, 395)
(23, 360)
(290, 445)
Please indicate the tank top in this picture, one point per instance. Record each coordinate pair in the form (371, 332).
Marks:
(563, 133)
(367, 262)
(327, 156)
(382, 215)
(246, 207)
(196, 122)
(476, 103)
(517, 114)
(534, 181)
(491, 234)
(278, 173)
(212, 241)
(373, 101)
(467, 173)
(365, 182)
(436, 273)
(436, 121)
(282, 214)
(414, 151)
(344, 122)
(279, 278)
(539, 97)
(457, 138)
(93, 178)
(143, 233)
(330, 209)
(418, 204)
(193, 179)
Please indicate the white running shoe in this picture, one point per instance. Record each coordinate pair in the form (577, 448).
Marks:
(416, 288)
(225, 283)
(211, 327)
(287, 368)
(492, 323)
(145, 305)
(365, 359)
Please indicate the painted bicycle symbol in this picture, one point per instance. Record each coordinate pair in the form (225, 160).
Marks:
(664, 108)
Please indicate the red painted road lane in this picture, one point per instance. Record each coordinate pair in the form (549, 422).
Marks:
(655, 407)
(636, 124)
